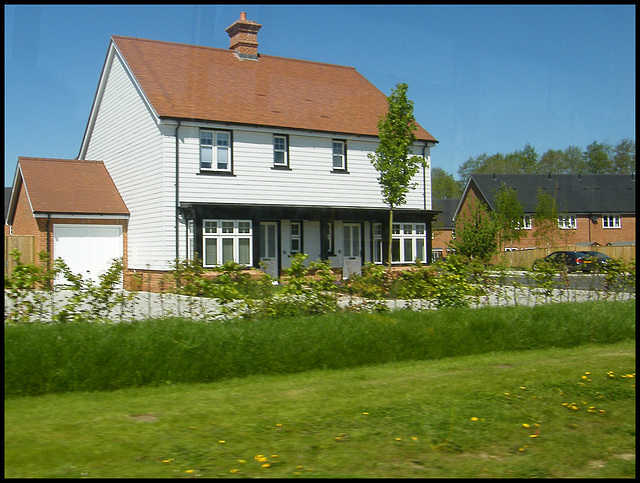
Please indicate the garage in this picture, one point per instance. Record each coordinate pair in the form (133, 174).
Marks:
(87, 249)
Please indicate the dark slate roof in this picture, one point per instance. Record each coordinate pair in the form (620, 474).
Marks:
(448, 209)
(587, 193)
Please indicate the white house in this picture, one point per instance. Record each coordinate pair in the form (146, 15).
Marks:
(233, 155)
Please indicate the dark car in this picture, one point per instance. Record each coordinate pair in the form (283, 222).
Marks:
(573, 261)
(602, 260)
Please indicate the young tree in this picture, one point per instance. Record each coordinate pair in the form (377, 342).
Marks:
(508, 214)
(597, 159)
(624, 157)
(393, 159)
(475, 233)
(545, 219)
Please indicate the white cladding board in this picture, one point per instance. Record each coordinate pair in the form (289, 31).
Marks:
(88, 250)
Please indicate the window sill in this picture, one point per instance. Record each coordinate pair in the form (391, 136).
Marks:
(281, 168)
(340, 171)
(215, 173)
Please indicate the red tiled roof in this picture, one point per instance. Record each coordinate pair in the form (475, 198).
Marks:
(70, 186)
(205, 83)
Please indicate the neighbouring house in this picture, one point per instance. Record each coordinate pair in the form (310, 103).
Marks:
(231, 155)
(593, 209)
(7, 198)
(443, 226)
(72, 209)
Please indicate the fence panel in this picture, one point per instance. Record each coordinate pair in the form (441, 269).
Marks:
(25, 244)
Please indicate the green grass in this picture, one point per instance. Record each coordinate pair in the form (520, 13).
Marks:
(54, 358)
(399, 419)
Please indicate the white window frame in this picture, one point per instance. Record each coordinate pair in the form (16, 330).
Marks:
(222, 235)
(212, 144)
(611, 221)
(376, 232)
(567, 222)
(407, 241)
(280, 146)
(296, 236)
(525, 224)
(339, 155)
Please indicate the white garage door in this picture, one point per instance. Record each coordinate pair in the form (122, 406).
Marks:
(87, 249)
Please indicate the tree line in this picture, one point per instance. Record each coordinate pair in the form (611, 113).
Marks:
(596, 158)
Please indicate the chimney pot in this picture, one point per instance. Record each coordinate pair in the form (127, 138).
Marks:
(243, 15)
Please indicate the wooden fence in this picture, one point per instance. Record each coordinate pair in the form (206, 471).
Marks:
(525, 258)
(25, 244)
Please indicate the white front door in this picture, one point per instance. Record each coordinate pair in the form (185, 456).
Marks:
(351, 249)
(269, 248)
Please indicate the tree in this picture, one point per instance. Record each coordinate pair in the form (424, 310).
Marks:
(508, 214)
(597, 159)
(545, 218)
(392, 159)
(624, 157)
(444, 185)
(475, 233)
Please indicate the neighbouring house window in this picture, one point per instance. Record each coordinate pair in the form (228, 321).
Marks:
(215, 151)
(436, 254)
(377, 242)
(567, 222)
(280, 151)
(610, 221)
(227, 240)
(408, 242)
(296, 237)
(339, 156)
(526, 223)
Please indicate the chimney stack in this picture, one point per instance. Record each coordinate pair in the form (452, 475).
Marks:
(243, 37)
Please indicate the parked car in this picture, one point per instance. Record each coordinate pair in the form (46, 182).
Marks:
(573, 261)
(602, 260)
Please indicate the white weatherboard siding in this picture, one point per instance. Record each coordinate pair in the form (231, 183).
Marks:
(309, 182)
(127, 138)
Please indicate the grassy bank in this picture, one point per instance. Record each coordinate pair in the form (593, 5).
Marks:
(556, 412)
(53, 358)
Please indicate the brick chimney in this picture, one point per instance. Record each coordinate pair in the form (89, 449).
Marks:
(243, 37)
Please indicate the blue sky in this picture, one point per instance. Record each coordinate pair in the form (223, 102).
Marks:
(483, 79)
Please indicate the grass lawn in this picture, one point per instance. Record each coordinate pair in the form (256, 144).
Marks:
(539, 413)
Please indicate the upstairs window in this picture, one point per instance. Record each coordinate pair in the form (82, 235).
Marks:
(611, 221)
(280, 151)
(339, 156)
(567, 222)
(215, 151)
(525, 224)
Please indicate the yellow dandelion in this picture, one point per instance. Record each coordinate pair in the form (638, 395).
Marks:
(299, 467)
(273, 456)
(366, 414)
(536, 425)
(167, 460)
(533, 435)
(414, 438)
(522, 387)
(587, 373)
(338, 438)
(190, 471)
(266, 465)
(521, 449)
(258, 456)
(525, 425)
(398, 439)
(222, 441)
(242, 461)
(601, 411)
(279, 425)
(263, 459)
(474, 418)
(234, 471)
(584, 377)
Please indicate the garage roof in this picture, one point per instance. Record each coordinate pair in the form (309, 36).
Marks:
(66, 186)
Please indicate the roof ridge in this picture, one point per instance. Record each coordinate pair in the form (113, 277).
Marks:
(205, 47)
(59, 160)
